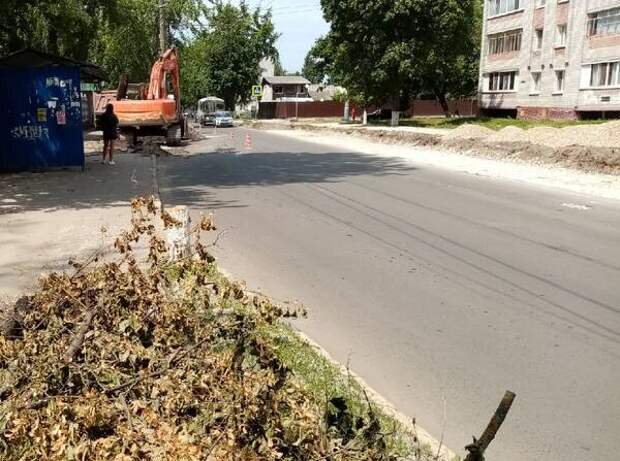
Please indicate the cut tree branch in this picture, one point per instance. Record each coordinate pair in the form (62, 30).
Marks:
(78, 341)
(476, 450)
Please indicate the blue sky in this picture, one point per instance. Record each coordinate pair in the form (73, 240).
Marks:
(300, 22)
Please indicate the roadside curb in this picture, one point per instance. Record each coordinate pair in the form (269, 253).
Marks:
(385, 405)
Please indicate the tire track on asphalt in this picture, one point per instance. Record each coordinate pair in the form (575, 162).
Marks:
(611, 335)
(489, 227)
(325, 191)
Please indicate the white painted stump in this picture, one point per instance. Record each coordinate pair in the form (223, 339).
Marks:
(178, 236)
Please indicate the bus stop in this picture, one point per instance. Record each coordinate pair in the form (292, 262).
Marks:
(41, 124)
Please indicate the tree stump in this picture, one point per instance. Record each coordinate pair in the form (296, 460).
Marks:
(177, 235)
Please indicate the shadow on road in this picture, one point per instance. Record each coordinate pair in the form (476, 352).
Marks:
(99, 186)
(185, 181)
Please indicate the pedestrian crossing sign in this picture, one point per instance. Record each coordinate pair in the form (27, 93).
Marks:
(257, 91)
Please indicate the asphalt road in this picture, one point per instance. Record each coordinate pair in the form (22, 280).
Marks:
(441, 289)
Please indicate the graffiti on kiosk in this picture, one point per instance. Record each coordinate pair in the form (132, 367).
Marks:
(30, 132)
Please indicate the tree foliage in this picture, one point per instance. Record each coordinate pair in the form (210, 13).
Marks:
(388, 51)
(66, 27)
(119, 35)
(448, 65)
(128, 43)
(221, 44)
(224, 59)
(318, 61)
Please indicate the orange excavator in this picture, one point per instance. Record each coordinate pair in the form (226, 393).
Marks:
(149, 111)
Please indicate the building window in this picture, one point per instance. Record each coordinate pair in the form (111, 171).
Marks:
(561, 35)
(559, 81)
(540, 3)
(605, 74)
(604, 22)
(539, 34)
(535, 82)
(503, 6)
(502, 81)
(505, 42)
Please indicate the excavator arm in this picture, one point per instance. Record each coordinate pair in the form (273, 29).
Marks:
(166, 65)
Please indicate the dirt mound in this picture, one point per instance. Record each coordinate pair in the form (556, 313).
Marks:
(545, 136)
(470, 131)
(607, 135)
(507, 134)
(603, 135)
(589, 158)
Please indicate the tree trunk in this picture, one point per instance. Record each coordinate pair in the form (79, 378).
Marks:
(178, 239)
(163, 27)
(395, 118)
(395, 111)
(443, 102)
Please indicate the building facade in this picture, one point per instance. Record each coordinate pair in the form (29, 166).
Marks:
(286, 88)
(551, 58)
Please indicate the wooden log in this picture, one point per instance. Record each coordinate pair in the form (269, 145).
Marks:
(476, 450)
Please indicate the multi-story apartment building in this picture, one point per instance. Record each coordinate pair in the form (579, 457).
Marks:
(551, 58)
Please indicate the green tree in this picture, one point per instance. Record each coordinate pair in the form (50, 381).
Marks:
(128, 43)
(65, 27)
(278, 68)
(318, 61)
(388, 51)
(195, 82)
(373, 46)
(120, 35)
(226, 56)
(448, 65)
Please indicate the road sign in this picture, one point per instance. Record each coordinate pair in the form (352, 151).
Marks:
(257, 91)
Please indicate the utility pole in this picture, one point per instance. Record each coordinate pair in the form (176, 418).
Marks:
(163, 38)
(163, 29)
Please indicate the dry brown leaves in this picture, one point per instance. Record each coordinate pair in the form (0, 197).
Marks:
(166, 364)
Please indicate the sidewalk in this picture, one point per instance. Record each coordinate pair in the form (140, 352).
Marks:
(48, 218)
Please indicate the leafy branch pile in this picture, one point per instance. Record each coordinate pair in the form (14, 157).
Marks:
(158, 360)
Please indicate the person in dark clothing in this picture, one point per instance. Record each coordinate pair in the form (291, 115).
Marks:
(109, 123)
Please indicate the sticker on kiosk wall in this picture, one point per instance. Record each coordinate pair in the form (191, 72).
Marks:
(61, 117)
(42, 114)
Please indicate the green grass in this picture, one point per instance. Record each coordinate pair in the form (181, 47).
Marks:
(493, 123)
(324, 381)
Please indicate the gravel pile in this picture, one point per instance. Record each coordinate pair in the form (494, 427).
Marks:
(604, 135)
(470, 131)
(607, 135)
(508, 134)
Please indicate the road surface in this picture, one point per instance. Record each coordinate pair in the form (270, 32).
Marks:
(441, 289)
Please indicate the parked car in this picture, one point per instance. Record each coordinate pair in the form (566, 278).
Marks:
(223, 119)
